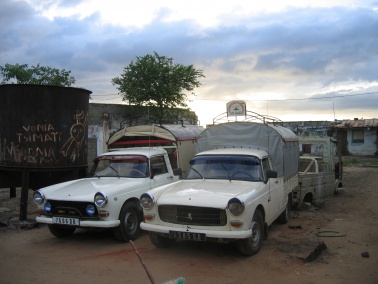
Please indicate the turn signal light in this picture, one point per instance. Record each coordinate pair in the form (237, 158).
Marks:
(103, 213)
(236, 223)
(149, 217)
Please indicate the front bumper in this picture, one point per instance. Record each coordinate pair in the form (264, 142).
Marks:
(209, 233)
(92, 224)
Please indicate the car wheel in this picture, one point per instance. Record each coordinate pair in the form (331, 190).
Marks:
(130, 218)
(61, 231)
(284, 217)
(252, 245)
(160, 241)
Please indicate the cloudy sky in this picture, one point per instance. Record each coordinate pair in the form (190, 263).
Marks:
(291, 59)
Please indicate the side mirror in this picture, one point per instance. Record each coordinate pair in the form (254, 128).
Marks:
(152, 173)
(270, 174)
(154, 170)
(177, 172)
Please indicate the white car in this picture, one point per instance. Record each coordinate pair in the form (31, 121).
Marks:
(228, 195)
(109, 198)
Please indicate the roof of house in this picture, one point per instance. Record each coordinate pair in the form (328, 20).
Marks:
(357, 123)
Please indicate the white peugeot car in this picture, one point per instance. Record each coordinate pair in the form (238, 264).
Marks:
(109, 198)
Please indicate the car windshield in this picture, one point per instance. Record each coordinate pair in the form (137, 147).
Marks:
(244, 168)
(133, 166)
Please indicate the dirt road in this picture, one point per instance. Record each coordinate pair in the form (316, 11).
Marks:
(351, 256)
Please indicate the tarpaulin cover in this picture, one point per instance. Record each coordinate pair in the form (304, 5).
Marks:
(173, 132)
(280, 142)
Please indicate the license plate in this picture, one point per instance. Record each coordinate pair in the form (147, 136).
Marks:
(66, 221)
(187, 236)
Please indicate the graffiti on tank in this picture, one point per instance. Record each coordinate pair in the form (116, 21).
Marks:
(39, 133)
(34, 144)
(74, 146)
(41, 144)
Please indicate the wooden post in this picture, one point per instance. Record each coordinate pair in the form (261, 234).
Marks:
(12, 192)
(24, 195)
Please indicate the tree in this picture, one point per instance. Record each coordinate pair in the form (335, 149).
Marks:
(38, 75)
(154, 80)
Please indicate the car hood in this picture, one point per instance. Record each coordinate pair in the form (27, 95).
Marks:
(85, 189)
(203, 193)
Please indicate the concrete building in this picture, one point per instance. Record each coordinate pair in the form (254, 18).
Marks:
(357, 137)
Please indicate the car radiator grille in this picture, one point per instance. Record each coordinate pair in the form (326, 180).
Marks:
(188, 215)
(72, 209)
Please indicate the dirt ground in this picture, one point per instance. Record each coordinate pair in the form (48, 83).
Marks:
(351, 254)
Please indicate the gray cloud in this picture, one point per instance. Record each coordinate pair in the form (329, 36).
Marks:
(297, 53)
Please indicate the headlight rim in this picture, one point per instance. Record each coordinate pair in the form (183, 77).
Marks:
(42, 197)
(151, 202)
(105, 199)
(236, 200)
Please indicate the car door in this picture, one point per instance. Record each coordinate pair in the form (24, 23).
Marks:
(275, 193)
(162, 176)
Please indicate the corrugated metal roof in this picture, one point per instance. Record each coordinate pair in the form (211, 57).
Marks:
(357, 123)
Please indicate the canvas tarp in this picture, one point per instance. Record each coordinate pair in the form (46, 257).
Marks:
(174, 132)
(280, 142)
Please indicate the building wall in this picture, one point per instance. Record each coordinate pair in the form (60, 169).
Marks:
(366, 148)
(312, 128)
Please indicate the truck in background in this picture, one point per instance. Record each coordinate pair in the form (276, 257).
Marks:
(320, 170)
(239, 182)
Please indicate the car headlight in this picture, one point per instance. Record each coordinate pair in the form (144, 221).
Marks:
(146, 201)
(235, 206)
(100, 199)
(90, 209)
(38, 197)
(47, 207)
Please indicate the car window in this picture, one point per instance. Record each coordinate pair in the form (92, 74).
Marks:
(245, 168)
(158, 165)
(124, 166)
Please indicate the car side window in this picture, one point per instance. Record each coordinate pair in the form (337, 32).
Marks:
(266, 164)
(158, 165)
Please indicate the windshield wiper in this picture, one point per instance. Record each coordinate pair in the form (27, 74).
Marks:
(228, 173)
(114, 170)
(197, 172)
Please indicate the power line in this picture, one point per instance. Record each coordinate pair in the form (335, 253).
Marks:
(295, 99)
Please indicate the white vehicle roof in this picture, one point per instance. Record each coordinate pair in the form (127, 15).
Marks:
(146, 151)
(235, 151)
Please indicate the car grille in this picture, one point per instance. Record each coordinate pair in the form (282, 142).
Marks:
(189, 215)
(72, 209)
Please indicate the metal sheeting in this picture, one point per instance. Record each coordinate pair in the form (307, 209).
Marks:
(174, 132)
(280, 142)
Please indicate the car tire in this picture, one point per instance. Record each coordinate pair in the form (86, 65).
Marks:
(160, 241)
(129, 227)
(61, 231)
(252, 245)
(285, 215)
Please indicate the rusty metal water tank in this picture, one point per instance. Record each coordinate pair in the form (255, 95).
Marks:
(43, 136)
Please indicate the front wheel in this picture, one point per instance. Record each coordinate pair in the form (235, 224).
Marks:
(130, 218)
(252, 245)
(160, 241)
(61, 231)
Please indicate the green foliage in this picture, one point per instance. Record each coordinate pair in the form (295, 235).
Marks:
(154, 80)
(38, 75)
